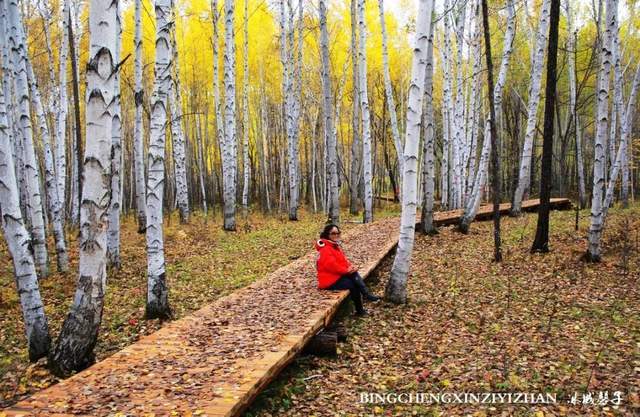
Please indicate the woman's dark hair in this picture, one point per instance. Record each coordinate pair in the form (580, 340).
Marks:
(327, 229)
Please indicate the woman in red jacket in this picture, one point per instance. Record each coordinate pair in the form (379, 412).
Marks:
(335, 272)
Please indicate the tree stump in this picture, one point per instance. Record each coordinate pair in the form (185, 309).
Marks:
(325, 343)
(340, 330)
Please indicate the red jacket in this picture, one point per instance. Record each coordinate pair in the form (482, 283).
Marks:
(330, 263)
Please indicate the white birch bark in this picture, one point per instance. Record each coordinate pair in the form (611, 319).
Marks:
(34, 206)
(524, 174)
(366, 118)
(113, 233)
(602, 117)
(391, 104)
(157, 290)
(356, 146)
(18, 243)
(74, 350)
(507, 49)
(329, 137)
(245, 109)
(61, 111)
(138, 134)
(428, 168)
(178, 137)
(229, 159)
(50, 185)
(396, 290)
(626, 127)
(201, 173)
(216, 84)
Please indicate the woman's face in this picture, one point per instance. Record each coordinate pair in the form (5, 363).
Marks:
(334, 234)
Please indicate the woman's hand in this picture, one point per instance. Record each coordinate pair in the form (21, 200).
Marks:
(353, 269)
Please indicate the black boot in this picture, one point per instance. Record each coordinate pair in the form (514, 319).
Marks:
(363, 289)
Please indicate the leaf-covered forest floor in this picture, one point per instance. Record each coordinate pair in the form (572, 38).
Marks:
(204, 263)
(535, 323)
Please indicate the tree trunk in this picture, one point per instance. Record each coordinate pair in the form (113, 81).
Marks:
(138, 152)
(428, 159)
(18, 243)
(388, 91)
(532, 110)
(330, 138)
(113, 234)
(396, 290)
(245, 109)
(79, 334)
(157, 292)
(495, 140)
(602, 116)
(366, 122)
(356, 146)
(34, 206)
(230, 146)
(541, 241)
(78, 130)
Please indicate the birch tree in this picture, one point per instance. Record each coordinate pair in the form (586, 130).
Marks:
(229, 153)
(61, 111)
(157, 290)
(428, 159)
(330, 138)
(138, 134)
(602, 117)
(366, 119)
(391, 104)
(18, 243)
(524, 174)
(113, 234)
(396, 290)
(177, 135)
(78, 337)
(356, 151)
(50, 185)
(18, 49)
(245, 108)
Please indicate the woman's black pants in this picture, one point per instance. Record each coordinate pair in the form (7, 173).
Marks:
(354, 283)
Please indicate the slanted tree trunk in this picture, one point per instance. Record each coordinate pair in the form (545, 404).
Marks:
(18, 243)
(50, 185)
(541, 241)
(113, 234)
(602, 116)
(79, 334)
(201, 169)
(396, 290)
(626, 126)
(34, 206)
(473, 204)
(388, 91)
(495, 140)
(524, 175)
(230, 146)
(366, 119)
(138, 134)
(330, 138)
(157, 291)
(428, 159)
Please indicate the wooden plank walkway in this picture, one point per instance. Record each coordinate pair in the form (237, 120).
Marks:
(216, 361)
